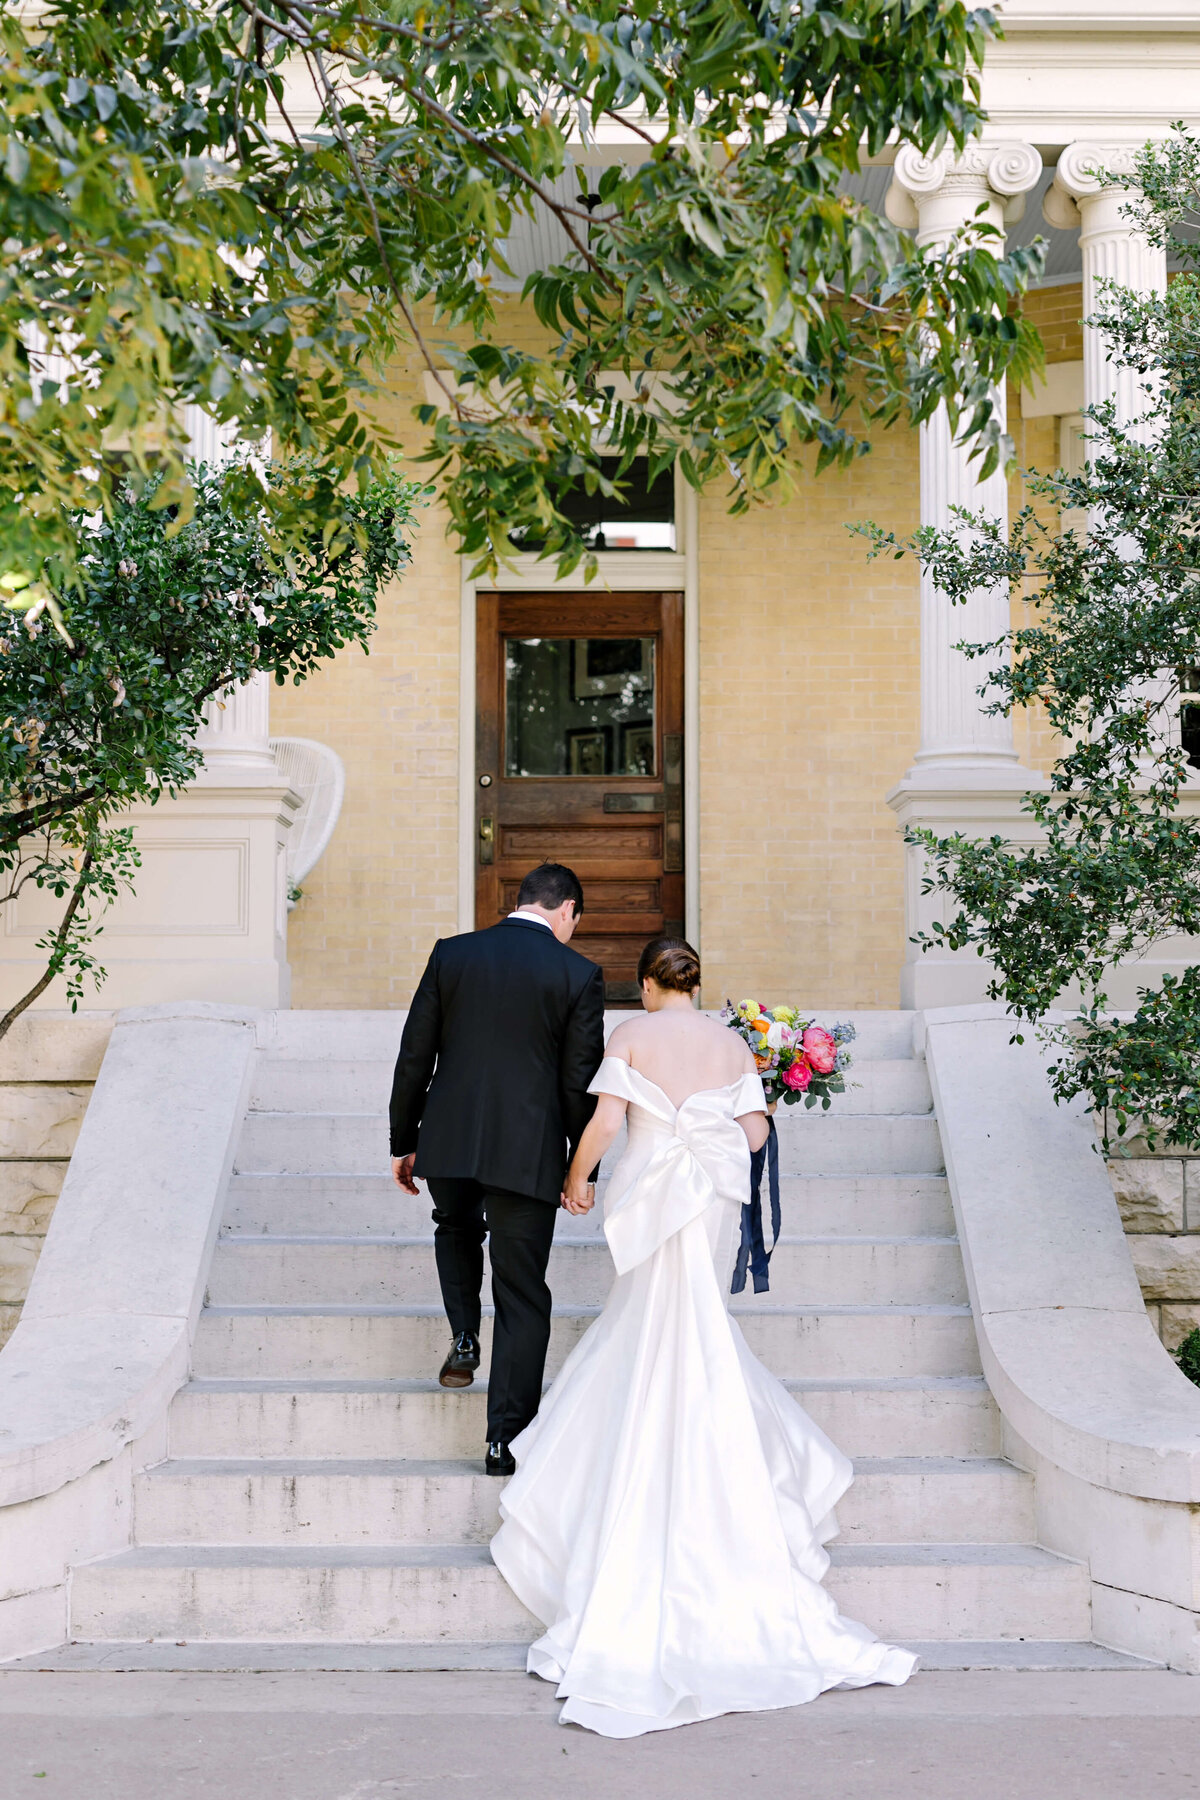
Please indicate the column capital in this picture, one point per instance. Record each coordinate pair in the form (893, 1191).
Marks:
(1086, 170)
(960, 182)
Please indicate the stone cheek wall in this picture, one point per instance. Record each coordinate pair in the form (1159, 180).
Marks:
(48, 1066)
(1159, 1198)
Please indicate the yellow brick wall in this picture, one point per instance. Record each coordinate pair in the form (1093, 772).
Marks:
(1057, 313)
(387, 885)
(808, 714)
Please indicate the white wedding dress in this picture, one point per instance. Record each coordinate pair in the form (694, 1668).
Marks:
(671, 1499)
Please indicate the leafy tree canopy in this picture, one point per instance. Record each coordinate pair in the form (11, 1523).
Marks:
(162, 621)
(253, 205)
(1113, 656)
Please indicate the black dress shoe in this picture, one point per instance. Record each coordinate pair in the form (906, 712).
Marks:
(458, 1370)
(499, 1460)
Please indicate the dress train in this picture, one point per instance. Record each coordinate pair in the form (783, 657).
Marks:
(671, 1505)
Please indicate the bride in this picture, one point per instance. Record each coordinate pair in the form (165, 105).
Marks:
(671, 1502)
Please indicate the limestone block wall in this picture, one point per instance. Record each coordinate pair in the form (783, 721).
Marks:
(48, 1065)
(1159, 1198)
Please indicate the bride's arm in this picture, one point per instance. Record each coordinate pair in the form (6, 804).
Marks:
(756, 1128)
(756, 1125)
(578, 1192)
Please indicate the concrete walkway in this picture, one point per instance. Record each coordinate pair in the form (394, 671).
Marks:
(983, 1736)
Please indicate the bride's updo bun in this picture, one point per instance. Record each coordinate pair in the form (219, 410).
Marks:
(671, 963)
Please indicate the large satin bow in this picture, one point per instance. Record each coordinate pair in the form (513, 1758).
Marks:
(673, 1186)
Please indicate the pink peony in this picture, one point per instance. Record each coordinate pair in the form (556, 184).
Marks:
(797, 1076)
(820, 1050)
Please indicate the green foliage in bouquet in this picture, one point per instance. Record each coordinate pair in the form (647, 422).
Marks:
(101, 710)
(1111, 655)
(254, 206)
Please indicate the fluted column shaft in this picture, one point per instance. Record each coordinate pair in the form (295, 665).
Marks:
(939, 195)
(237, 724)
(1112, 249)
(237, 728)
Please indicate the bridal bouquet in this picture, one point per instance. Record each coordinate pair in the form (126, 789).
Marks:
(796, 1059)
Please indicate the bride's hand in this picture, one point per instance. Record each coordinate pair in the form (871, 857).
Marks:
(579, 1196)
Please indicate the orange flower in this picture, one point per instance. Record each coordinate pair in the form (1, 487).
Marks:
(761, 1063)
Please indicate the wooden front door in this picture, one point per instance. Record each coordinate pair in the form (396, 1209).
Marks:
(579, 760)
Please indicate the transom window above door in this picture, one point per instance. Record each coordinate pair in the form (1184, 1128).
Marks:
(580, 706)
(640, 517)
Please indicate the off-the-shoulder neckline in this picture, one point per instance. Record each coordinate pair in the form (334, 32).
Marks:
(725, 1088)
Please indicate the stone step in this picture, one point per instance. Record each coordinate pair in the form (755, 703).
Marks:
(1027, 1655)
(361, 1205)
(296, 1085)
(317, 1035)
(877, 1088)
(243, 1501)
(842, 1271)
(810, 1143)
(429, 1592)
(355, 1343)
(368, 1206)
(915, 1416)
(836, 1143)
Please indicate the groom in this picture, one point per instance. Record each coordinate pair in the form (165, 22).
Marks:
(505, 1032)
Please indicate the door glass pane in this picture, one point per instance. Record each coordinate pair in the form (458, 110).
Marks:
(579, 706)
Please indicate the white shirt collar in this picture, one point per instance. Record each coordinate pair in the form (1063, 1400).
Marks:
(533, 918)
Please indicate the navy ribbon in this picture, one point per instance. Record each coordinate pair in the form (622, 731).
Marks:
(752, 1251)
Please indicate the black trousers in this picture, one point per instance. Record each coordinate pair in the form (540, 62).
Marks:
(521, 1231)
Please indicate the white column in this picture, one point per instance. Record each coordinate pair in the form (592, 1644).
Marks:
(237, 729)
(237, 724)
(1112, 249)
(1085, 194)
(210, 442)
(939, 195)
(965, 775)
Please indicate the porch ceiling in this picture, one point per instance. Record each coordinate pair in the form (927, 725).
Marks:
(538, 240)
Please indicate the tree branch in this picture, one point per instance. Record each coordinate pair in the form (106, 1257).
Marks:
(60, 937)
(32, 818)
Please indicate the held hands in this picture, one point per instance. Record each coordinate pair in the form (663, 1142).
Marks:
(402, 1173)
(579, 1196)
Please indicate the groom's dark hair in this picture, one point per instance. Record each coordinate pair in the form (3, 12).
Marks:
(549, 885)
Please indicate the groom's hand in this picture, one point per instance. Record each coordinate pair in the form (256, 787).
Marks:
(402, 1173)
(580, 1202)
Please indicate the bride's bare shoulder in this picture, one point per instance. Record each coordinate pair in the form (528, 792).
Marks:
(622, 1040)
(648, 1034)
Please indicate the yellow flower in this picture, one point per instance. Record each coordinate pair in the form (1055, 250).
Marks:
(750, 1008)
(784, 1015)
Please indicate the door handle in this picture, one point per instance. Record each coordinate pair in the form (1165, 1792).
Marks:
(487, 840)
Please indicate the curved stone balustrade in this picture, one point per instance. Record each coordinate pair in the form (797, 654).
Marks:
(1091, 1400)
(105, 1336)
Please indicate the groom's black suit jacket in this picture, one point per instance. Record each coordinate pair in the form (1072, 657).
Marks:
(505, 1032)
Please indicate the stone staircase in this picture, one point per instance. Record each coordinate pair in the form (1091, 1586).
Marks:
(322, 1503)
